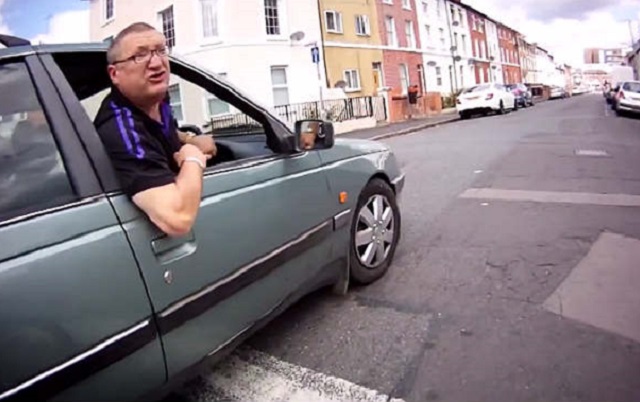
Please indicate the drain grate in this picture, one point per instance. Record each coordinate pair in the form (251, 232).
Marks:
(591, 152)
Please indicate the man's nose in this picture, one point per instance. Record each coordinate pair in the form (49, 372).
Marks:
(155, 61)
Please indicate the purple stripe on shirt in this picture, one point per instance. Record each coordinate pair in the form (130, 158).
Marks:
(123, 131)
(139, 150)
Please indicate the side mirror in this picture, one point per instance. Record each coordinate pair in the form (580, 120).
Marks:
(314, 134)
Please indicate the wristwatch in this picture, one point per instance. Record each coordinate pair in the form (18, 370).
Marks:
(195, 160)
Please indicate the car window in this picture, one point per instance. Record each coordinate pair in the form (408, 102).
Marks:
(631, 87)
(194, 105)
(477, 88)
(32, 172)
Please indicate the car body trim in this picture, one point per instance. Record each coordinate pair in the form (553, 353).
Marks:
(341, 219)
(204, 299)
(82, 366)
(42, 212)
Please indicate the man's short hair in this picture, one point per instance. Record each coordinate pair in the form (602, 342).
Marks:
(114, 48)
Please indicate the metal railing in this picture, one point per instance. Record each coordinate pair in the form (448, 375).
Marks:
(336, 110)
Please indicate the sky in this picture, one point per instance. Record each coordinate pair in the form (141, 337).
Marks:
(564, 27)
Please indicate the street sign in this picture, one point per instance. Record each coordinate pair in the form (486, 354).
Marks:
(315, 54)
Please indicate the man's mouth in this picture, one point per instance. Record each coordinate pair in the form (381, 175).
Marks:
(157, 77)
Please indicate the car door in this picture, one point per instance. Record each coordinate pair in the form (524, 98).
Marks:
(262, 234)
(76, 322)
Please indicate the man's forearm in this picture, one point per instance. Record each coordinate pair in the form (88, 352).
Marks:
(189, 183)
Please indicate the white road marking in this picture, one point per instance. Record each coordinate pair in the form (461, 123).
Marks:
(249, 375)
(602, 290)
(617, 200)
(477, 171)
(591, 152)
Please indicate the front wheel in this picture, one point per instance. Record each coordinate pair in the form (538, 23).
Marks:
(501, 109)
(375, 232)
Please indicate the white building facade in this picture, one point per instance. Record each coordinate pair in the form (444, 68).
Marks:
(446, 41)
(255, 52)
(494, 52)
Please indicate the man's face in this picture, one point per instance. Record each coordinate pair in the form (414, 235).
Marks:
(147, 78)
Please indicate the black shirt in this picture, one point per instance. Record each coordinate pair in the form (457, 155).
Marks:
(141, 148)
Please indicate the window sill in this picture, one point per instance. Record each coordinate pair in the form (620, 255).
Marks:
(331, 31)
(351, 90)
(364, 35)
(108, 22)
(211, 42)
(277, 38)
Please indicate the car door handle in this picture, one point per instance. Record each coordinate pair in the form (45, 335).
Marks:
(169, 249)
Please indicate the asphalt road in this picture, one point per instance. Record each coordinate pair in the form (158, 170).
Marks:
(466, 313)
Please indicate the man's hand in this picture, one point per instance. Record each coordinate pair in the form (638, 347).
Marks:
(189, 150)
(205, 143)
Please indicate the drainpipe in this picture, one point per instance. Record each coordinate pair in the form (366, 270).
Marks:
(453, 57)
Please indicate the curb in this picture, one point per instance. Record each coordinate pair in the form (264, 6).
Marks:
(413, 129)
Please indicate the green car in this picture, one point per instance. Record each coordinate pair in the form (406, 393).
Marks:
(95, 302)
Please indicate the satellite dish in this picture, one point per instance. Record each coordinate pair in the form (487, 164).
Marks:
(340, 84)
(432, 64)
(297, 36)
(472, 62)
(455, 23)
(458, 58)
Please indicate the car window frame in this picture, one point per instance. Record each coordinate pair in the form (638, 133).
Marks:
(279, 134)
(77, 167)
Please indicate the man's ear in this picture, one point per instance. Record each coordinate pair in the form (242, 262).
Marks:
(113, 73)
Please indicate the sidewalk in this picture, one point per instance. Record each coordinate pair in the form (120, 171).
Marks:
(387, 130)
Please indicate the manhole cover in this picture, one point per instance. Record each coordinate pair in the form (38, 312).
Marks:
(591, 152)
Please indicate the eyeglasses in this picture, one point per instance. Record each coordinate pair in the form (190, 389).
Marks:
(144, 56)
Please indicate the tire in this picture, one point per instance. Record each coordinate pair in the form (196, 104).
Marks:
(515, 106)
(367, 263)
(464, 115)
(501, 110)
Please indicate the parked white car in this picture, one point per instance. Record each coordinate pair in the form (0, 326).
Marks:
(627, 99)
(485, 98)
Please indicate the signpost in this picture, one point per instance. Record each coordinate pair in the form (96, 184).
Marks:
(315, 58)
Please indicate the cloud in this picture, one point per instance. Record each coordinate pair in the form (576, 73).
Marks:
(568, 28)
(4, 28)
(66, 27)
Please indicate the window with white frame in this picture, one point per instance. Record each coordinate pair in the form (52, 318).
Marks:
(425, 7)
(387, 1)
(209, 12)
(352, 78)
(453, 13)
(439, 75)
(439, 8)
(279, 85)
(215, 106)
(460, 17)
(411, 38)
(464, 44)
(168, 27)
(272, 17)
(175, 101)
(392, 39)
(476, 47)
(474, 23)
(404, 78)
(461, 76)
(455, 41)
(441, 36)
(362, 25)
(333, 21)
(108, 10)
(427, 38)
(406, 4)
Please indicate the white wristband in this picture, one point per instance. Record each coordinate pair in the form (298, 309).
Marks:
(196, 160)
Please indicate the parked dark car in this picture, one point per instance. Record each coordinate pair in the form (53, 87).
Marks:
(98, 304)
(523, 95)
